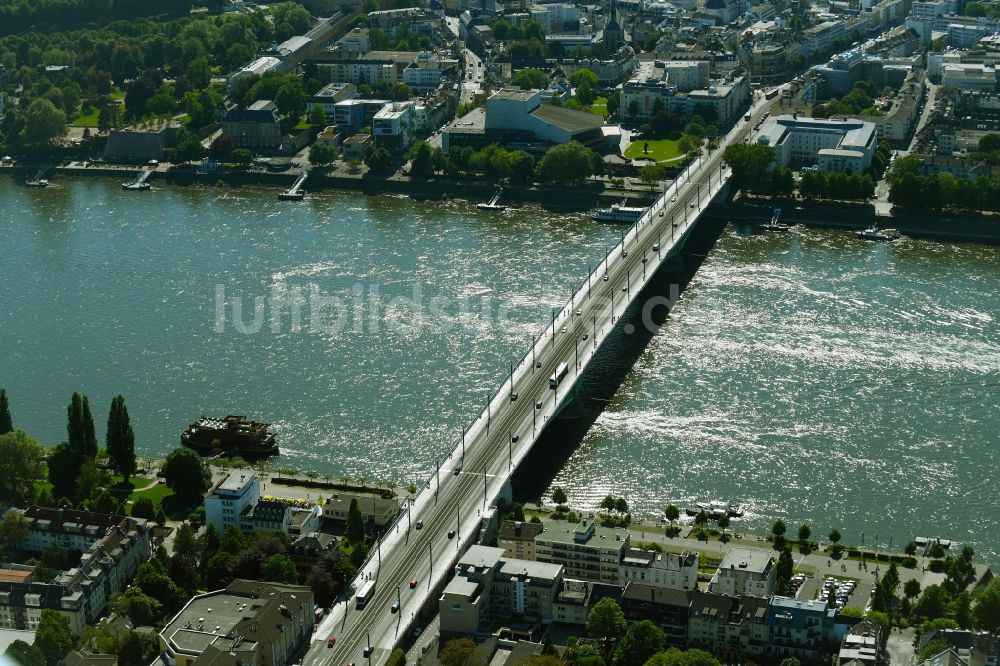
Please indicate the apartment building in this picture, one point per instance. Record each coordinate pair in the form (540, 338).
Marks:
(586, 550)
(377, 506)
(518, 539)
(667, 608)
(745, 571)
(254, 623)
(255, 127)
(394, 126)
(327, 97)
(112, 549)
(676, 571)
(489, 587)
(798, 628)
(227, 502)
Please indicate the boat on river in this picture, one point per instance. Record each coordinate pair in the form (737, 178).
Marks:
(619, 214)
(493, 204)
(716, 509)
(774, 224)
(232, 435)
(873, 233)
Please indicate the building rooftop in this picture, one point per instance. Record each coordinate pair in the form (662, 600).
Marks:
(517, 530)
(462, 586)
(236, 482)
(569, 119)
(514, 94)
(529, 568)
(754, 560)
(560, 531)
(481, 557)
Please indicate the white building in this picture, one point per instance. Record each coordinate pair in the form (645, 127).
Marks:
(666, 570)
(424, 73)
(358, 71)
(394, 126)
(841, 145)
(522, 112)
(227, 503)
(327, 97)
(257, 68)
(970, 76)
(745, 571)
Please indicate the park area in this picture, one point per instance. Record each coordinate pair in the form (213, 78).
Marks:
(660, 150)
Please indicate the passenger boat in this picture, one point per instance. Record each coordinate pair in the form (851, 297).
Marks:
(233, 435)
(716, 509)
(873, 233)
(36, 182)
(619, 214)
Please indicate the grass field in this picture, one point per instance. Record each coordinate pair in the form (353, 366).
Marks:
(86, 119)
(660, 150)
(599, 107)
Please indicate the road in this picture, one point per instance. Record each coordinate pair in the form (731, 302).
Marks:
(472, 77)
(477, 470)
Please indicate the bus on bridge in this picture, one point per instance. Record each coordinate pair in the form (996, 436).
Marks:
(558, 375)
(366, 592)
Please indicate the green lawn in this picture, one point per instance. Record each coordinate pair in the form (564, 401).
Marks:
(599, 107)
(660, 150)
(86, 119)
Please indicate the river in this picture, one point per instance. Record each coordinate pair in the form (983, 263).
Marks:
(807, 375)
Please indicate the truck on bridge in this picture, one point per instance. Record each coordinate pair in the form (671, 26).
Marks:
(365, 594)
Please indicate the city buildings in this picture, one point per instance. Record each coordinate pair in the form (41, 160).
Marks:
(328, 96)
(377, 506)
(798, 628)
(833, 145)
(112, 548)
(255, 623)
(518, 539)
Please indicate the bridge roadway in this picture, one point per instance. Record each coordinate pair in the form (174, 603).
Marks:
(456, 496)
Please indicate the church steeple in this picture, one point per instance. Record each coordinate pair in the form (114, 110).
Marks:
(614, 36)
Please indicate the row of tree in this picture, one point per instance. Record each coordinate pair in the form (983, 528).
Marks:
(836, 185)
(566, 163)
(910, 188)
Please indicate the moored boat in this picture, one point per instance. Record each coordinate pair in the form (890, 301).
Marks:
(716, 509)
(233, 435)
(873, 233)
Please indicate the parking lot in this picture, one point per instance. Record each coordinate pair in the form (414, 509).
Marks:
(851, 593)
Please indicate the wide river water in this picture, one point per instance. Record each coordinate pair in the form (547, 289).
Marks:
(807, 375)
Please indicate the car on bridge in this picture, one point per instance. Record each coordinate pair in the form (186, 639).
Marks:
(331, 641)
(413, 583)
(451, 534)
(395, 607)
(419, 524)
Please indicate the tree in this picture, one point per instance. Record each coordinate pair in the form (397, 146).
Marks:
(642, 640)
(186, 474)
(317, 117)
(522, 165)
(701, 519)
(241, 157)
(559, 495)
(6, 425)
(120, 439)
(804, 532)
(621, 505)
(143, 508)
(933, 603)
(160, 517)
(651, 174)
(135, 649)
(834, 535)
(778, 530)
(188, 148)
(911, 588)
(279, 569)
(139, 607)
(400, 92)
(14, 529)
(64, 465)
(750, 163)
(80, 427)
(291, 98)
(377, 158)
(152, 582)
(421, 156)
(672, 513)
(960, 609)
(460, 652)
(790, 661)
(53, 637)
(723, 523)
(24, 654)
(567, 163)
(606, 621)
(43, 122)
(322, 152)
(219, 569)
(674, 657)
(530, 78)
(986, 611)
(784, 570)
(22, 463)
(355, 524)
(103, 502)
(989, 143)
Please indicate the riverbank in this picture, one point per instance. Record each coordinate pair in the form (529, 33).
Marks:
(856, 216)
(583, 197)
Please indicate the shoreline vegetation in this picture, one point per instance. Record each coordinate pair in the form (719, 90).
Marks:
(822, 214)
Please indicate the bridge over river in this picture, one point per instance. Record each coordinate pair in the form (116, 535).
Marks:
(478, 469)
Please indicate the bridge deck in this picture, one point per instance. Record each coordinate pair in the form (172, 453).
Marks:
(465, 486)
